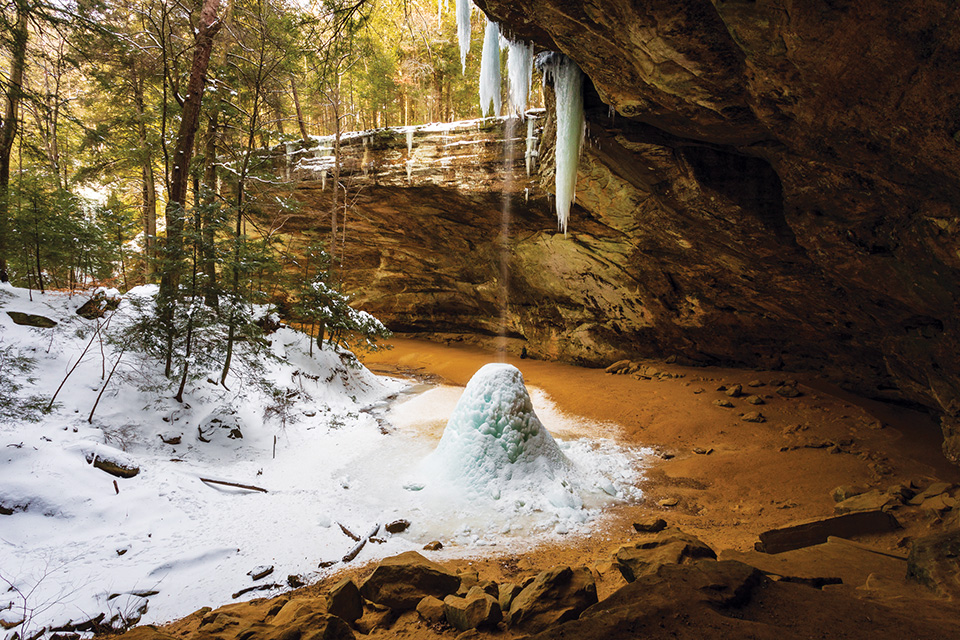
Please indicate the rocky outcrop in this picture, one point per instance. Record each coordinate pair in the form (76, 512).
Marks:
(777, 188)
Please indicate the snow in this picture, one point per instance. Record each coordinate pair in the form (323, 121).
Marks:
(519, 71)
(567, 81)
(351, 450)
(490, 70)
(464, 8)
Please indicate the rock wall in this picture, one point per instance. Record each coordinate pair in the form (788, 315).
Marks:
(778, 187)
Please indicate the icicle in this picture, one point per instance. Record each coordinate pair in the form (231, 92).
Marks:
(409, 141)
(612, 113)
(323, 180)
(531, 152)
(490, 69)
(463, 30)
(519, 70)
(568, 89)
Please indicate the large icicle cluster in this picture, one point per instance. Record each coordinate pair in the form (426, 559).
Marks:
(490, 69)
(567, 81)
(464, 7)
(519, 70)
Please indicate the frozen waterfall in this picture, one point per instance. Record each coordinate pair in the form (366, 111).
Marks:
(490, 69)
(519, 70)
(464, 7)
(567, 81)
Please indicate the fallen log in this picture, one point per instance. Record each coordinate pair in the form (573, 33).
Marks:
(259, 587)
(357, 547)
(248, 487)
(349, 534)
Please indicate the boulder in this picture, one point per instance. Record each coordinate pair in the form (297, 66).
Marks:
(477, 610)
(397, 526)
(97, 305)
(222, 423)
(402, 581)
(430, 610)
(667, 547)
(31, 320)
(507, 593)
(344, 601)
(934, 562)
(734, 391)
(650, 525)
(554, 596)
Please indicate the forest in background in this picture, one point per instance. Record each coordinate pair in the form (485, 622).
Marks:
(132, 138)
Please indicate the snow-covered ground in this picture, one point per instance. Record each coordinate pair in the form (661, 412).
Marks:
(353, 452)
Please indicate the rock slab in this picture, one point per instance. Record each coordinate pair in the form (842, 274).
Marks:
(401, 582)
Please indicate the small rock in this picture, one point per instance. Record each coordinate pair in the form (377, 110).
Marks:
(436, 545)
(666, 455)
(753, 416)
(171, 437)
(723, 403)
(294, 581)
(934, 489)
(845, 492)
(755, 400)
(735, 391)
(788, 391)
(869, 501)
(478, 610)
(703, 452)
(671, 360)
(668, 502)
(344, 601)
(397, 526)
(261, 571)
(939, 503)
(326, 563)
(618, 366)
(755, 383)
(430, 610)
(508, 591)
(698, 390)
(722, 387)
(31, 320)
(650, 525)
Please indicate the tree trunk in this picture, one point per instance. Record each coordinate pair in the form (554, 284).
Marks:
(149, 210)
(210, 297)
(180, 176)
(296, 103)
(8, 127)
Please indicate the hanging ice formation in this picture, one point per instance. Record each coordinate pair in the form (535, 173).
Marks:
(567, 81)
(409, 154)
(490, 69)
(519, 70)
(463, 30)
(530, 156)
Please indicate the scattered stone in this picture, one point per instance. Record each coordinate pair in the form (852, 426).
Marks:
(430, 610)
(554, 596)
(939, 503)
(669, 502)
(223, 421)
(869, 501)
(703, 452)
(650, 525)
(490, 588)
(344, 601)
(31, 320)
(326, 563)
(618, 366)
(901, 491)
(735, 391)
(261, 571)
(375, 616)
(668, 547)
(171, 437)
(397, 526)
(698, 390)
(934, 561)
(788, 391)
(478, 610)
(934, 489)
(844, 492)
(807, 534)
(666, 455)
(722, 387)
(753, 416)
(671, 360)
(436, 545)
(723, 403)
(294, 581)
(755, 383)
(755, 400)
(507, 593)
(402, 581)
(97, 305)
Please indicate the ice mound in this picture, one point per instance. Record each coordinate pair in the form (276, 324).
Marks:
(494, 436)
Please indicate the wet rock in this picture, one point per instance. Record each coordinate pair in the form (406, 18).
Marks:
(31, 320)
(650, 525)
(397, 526)
(344, 601)
(554, 596)
(788, 391)
(735, 391)
(668, 547)
(477, 610)
(753, 416)
(934, 562)
(402, 581)
(430, 610)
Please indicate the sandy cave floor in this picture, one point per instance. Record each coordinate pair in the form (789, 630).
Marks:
(757, 476)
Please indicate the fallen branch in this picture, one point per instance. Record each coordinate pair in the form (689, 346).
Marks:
(104, 387)
(349, 534)
(248, 487)
(259, 587)
(357, 547)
